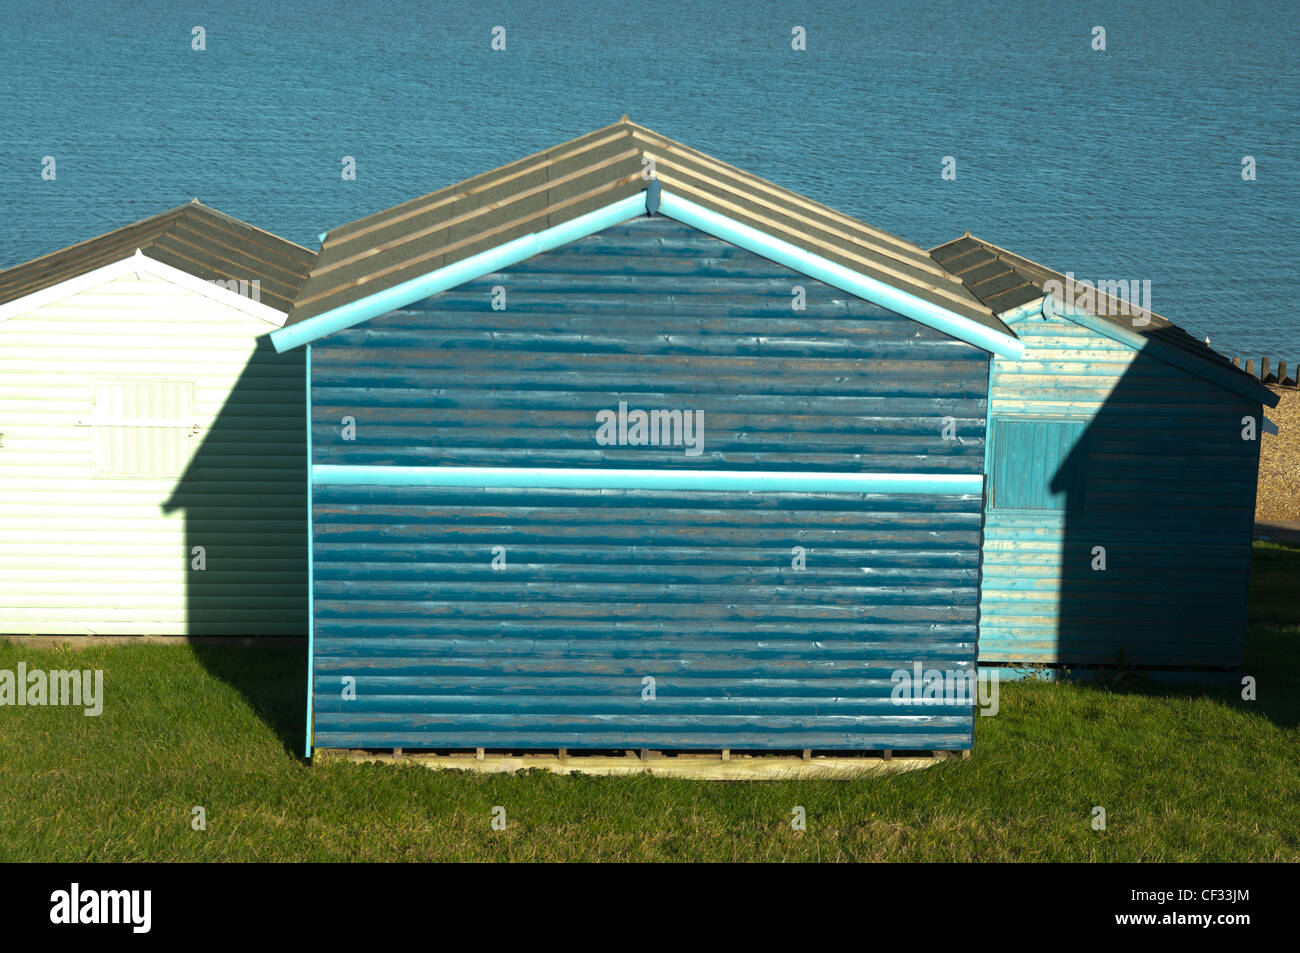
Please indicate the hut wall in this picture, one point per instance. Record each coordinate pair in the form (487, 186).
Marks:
(102, 511)
(595, 591)
(1094, 444)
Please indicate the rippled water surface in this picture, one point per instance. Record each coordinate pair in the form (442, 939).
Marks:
(1117, 164)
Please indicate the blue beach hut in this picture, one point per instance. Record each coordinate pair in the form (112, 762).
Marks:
(1122, 466)
(619, 446)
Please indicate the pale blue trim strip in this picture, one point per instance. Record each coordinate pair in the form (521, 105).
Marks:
(1026, 310)
(564, 478)
(887, 296)
(468, 269)
(311, 571)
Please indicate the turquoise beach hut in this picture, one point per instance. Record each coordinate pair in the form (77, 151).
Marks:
(1122, 464)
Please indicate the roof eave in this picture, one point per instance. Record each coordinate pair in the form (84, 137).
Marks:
(1225, 376)
(1001, 341)
(139, 263)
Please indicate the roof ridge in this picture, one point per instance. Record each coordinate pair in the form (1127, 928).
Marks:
(1158, 328)
(844, 217)
(1004, 251)
(1010, 258)
(349, 229)
(194, 205)
(196, 238)
(549, 187)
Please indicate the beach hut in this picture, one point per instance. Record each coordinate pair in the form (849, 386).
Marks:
(151, 448)
(620, 447)
(1122, 466)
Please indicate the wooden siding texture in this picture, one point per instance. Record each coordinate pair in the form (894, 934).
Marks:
(603, 588)
(1167, 488)
(85, 554)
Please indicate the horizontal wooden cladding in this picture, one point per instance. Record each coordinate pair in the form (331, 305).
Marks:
(874, 409)
(599, 390)
(1050, 649)
(531, 369)
(85, 554)
(533, 666)
(727, 694)
(538, 338)
(601, 589)
(473, 422)
(1173, 591)
(623, 700)
(660, 317)
(446, 642)
(957, 462)
(686, 733)
(873, 521)
(845, 583)
(1168, 492)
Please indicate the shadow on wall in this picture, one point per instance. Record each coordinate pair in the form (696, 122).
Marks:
(1155, 499)
(1272, 657)
(1149, 504)
(244, 501)
(1131, 545)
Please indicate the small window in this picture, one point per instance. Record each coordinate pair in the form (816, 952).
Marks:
(1038, 464)
(143, 428)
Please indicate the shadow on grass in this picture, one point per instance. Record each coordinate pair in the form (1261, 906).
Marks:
(1272, 654)
(272, 678)
(1275, 584)
(254, 581)
(1271, 659)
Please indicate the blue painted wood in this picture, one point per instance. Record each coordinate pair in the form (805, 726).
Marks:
(628, 478)
(1153, 468)
(311, 566)
(1035, 466)
(601, 588)
(356, 312)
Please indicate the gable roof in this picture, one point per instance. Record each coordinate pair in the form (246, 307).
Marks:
(1004, 281)
(589, 173)
(193, 238)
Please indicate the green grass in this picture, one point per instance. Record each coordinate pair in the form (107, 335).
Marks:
(1184, 775)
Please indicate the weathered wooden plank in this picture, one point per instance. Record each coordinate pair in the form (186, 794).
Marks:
(601, 588)
(1155, 438)
(681, 765)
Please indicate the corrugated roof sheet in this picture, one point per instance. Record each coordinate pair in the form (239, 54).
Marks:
(587, 173)
(1002, 281)
(194, 238)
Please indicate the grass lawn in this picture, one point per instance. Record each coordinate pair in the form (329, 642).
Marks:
(1184, 775)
